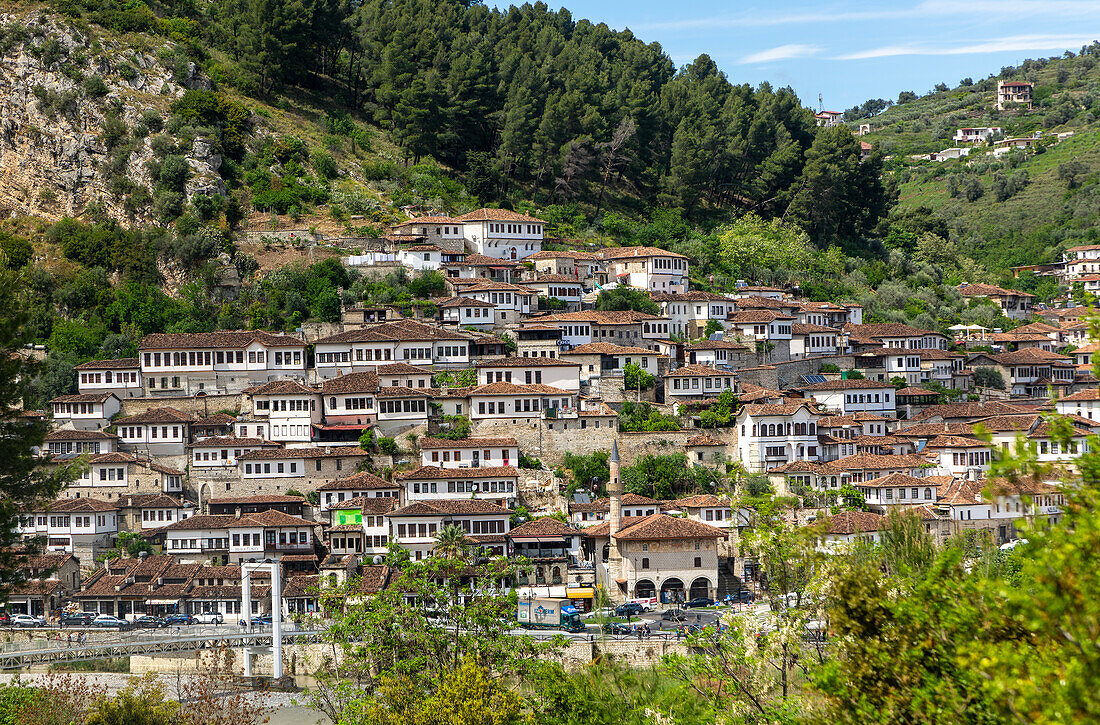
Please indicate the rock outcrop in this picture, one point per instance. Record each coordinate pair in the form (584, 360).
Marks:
(54, 160)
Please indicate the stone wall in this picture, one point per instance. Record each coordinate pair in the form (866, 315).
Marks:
(200, 406)
(780, 375)
(550, 446)
(304, 659)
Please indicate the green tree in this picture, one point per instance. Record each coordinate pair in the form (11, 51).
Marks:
(634, 378)
(627, 298)
(24, 481)
(664, 477)
(589, 469)
(988, 377)
(455, 427)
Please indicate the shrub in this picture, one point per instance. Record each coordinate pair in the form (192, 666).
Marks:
(95, 87)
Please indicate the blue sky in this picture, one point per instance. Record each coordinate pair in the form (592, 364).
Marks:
(849, 52)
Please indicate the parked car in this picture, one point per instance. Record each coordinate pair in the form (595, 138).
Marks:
(149, 621)
(26, 620)
(616, 628)
(5, 618)
(264, 619)
(209, 617)
(174, 620)
(699, 602)
(602, 612)
(107, 620)
(629, 609)
(744, 596)
(77, 619)
(673, 615)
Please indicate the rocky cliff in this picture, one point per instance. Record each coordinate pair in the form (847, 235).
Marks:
(80, 119)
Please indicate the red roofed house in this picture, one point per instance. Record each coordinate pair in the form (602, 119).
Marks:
(1013, 93)
(647, 268)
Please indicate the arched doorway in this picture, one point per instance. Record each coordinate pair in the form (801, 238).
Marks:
(513, 253)
(699, 588)
(672, 590)
(645, 589)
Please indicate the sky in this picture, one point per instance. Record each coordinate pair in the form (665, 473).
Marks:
(849, 52)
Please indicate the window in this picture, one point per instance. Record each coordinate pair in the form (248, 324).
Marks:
(645, 562)
(698, 562)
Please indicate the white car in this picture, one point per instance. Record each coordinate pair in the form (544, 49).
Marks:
(209, 617)
(107, 620)
(26, 620)
(602, 613)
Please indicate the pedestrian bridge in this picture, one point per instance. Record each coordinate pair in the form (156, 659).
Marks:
(144, 642)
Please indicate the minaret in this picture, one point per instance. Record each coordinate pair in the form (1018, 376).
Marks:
(615, 494)
(615, 488)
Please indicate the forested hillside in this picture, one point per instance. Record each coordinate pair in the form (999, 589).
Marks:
(525, 106)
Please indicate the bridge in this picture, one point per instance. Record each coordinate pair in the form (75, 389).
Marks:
(17, 656)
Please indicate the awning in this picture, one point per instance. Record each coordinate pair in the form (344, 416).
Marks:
(580, 593)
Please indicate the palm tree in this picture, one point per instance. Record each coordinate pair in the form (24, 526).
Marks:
(450, 542)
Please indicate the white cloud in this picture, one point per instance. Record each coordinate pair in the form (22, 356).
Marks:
(782, 52)
(997, 45)
(981, 9)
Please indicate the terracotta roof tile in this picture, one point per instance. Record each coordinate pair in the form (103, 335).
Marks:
(234, 339)
(435, 472)
(663, 526)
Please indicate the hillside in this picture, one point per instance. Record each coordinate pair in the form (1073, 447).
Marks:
(1023, 208)
(525, 108)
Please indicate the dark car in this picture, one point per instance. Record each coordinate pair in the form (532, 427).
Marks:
(699, 602)
(264, 619)
(629, 609)
(744, 596)
(77, 619)
(149, 621)
(673, 615)
(174, 620)
(616, 628)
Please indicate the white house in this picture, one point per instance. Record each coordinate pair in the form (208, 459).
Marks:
(556, 372)
(121, 377)
(468, 452)
(485, 483)
(854, 396)
(502, 233)
(157, 431)
(223, 451)
(72, 442)
(415, 343)
(502, 401)
(85, 411)
(226, 361)
(695, 382)
(467, 312)
(414, 527)
(284, 411)
(510, 301)
(689, 312)
(648, 268)
(773, 435)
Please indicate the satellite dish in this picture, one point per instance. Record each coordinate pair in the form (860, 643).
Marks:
(378, 559)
